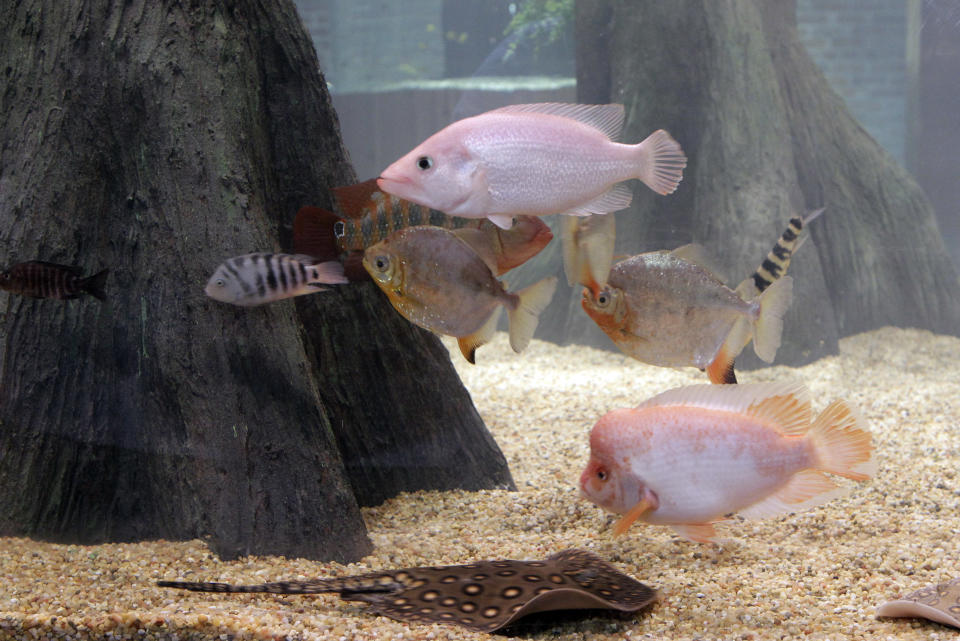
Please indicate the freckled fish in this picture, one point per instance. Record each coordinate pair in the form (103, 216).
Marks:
(438, 281)
(534, 159)
(259, 278)
(39, 279)
(691, 456)
(484, 596)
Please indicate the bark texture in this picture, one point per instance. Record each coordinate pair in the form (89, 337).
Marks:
(158, 138)
(766, 138)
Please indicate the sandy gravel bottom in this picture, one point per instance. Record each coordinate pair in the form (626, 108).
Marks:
(816, 575)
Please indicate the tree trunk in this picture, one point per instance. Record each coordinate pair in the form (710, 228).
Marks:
(766, 138)
(159, 138)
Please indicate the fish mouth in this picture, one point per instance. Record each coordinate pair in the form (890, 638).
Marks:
(384, 181)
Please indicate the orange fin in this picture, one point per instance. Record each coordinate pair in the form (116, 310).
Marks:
(313, 233)
(354, 200)
(720, 370)
(634, 513)
(697, 532)
(842, 442)
(469, 344)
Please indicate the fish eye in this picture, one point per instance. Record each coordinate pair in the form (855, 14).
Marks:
(220, 282)
(603, 298)
(381, 263)
(602, 475)
(424, 162)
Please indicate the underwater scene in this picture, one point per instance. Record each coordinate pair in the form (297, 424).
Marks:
(462, 319)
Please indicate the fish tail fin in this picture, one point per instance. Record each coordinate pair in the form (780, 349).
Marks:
(842, 443)
(314, 235)
(526, 314)
(768, 327)
(661, 162)
(330, 273)
(93, 285)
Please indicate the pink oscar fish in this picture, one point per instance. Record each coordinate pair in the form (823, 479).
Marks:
(535, 159)
(692, 456)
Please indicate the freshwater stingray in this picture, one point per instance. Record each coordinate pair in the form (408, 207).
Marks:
(940, 603)
(485, 596)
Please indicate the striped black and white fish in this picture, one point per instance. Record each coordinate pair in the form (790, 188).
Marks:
(256, 279)
(39, 279)
(775, 264)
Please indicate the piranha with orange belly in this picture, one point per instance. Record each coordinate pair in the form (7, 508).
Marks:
(692, 456)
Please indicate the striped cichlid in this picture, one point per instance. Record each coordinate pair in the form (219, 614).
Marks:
(256, 279)
(39, 279)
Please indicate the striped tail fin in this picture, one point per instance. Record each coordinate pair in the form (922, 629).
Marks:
(778, 260)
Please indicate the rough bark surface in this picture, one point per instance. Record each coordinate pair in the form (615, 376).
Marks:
(158, 138)
(766, 138)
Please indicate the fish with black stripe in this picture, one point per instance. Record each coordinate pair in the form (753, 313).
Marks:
(39, 279)
(259, 278)
(365, 215)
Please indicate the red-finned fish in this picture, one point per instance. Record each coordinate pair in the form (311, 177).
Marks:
(535, 159)
(694, 455)
(437, 281)
(365, 215)
(39, 279)
(256, 279)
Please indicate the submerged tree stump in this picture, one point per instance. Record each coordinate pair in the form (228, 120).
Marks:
(767, 138)
(157, 139)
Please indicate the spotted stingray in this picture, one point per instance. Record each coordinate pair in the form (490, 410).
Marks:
(940, 603)
(485, 596)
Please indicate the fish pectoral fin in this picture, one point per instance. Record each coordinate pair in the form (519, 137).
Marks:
(697, 532)
(645, 504)
(805, 490)
(469, 344)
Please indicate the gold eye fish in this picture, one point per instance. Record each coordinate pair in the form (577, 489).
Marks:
(940, 603)
(484, 596)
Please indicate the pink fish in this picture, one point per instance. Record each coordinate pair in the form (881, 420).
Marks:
(692, 456)
(534, 159)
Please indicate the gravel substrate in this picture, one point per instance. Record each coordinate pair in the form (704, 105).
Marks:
(816, 575)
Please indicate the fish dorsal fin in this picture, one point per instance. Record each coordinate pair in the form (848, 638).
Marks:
(353, 200)
(313, 233)
(699, 255)
(787, 405)
(608, 119)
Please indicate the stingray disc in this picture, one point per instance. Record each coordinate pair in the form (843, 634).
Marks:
(486, 595)
(940, 603)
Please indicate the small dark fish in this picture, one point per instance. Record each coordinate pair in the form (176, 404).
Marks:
(940, 603)
(484, 596)
(39, 279)
(256, 279)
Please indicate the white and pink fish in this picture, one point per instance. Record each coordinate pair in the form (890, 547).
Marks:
(534, 159)
(692, 456)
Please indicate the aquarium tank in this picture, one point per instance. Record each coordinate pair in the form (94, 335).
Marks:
(443, 319)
